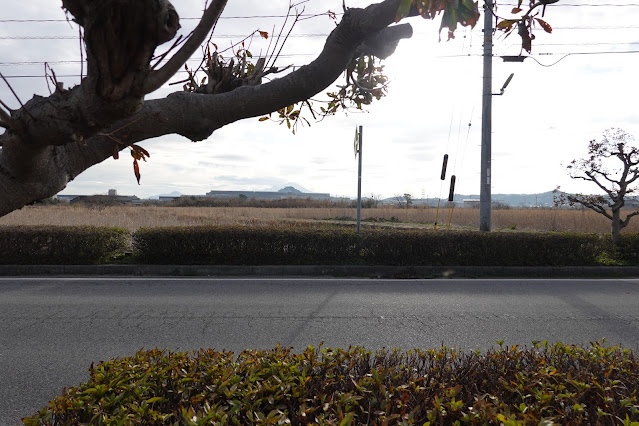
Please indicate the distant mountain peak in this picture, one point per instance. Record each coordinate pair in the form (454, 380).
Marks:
(290, 189)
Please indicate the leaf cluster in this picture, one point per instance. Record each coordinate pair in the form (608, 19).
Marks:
(464, 12)
(527, 22)
(544, 384)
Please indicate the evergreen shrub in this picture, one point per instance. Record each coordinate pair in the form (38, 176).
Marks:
(544, 384)
(341, 245)
(61, 245)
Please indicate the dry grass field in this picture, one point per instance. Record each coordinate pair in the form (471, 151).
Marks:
(133, 217)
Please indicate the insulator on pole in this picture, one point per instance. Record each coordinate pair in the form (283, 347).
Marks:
(451, 194)
(444, 167)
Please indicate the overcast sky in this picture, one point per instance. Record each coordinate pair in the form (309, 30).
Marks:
(579, 80)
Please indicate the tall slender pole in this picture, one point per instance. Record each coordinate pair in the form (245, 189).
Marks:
(359, 180)
(486, 122)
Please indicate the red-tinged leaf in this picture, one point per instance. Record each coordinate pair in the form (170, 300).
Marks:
(116, 152)
(139, 149)
(264, 34)
(264, 118)
(516, 10)
(214, 45)
(545, 25)
(136, 170)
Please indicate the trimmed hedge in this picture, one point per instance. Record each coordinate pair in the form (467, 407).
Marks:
(339, 246)
(64, 245)
(303, 244)
(556, 384)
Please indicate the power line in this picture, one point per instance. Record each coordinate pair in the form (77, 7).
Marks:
(311, 15)
(612, 52)
(583, 5)
(74, 37)
(304, 15)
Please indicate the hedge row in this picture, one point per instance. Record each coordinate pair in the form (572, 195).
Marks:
(339, 246)
(556, 384)
(20, 245)
(309, 245)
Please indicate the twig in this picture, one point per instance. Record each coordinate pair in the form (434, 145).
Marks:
(5, 106)
(297, 17)
(180, 82)
(177, 42)
(14, 94)
(53, 79)
(277, 41)
(81, 53)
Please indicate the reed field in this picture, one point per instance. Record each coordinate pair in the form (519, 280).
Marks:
(134, 217)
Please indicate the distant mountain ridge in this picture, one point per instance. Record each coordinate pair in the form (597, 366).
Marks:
(543, 199)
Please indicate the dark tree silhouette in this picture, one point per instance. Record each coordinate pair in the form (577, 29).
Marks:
(612, 164)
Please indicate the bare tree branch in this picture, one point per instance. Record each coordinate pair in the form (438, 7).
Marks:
(596, 181)
(627, 219)
(16, 95)
(157, 78)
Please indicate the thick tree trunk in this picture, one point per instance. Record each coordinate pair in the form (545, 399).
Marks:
(52, 140)
(616, 226)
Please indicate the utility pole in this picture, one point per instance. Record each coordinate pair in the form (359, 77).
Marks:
(486, 122)
(358, 150)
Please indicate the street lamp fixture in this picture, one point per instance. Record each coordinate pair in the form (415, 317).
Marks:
(518, 58)
(503, 88)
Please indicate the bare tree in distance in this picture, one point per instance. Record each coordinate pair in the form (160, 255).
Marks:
(50, 140)
(612, 164)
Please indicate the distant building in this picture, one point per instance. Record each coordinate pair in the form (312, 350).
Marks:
(106, 200)
(66, 198)
(282, 194)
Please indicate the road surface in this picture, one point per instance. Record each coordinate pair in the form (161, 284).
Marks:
(52, 329)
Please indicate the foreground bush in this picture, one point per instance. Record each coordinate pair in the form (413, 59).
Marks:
(63, 245)
(558, 384)
(342, 246)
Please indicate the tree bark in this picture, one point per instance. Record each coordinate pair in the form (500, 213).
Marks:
(616, 226)
(52, 140)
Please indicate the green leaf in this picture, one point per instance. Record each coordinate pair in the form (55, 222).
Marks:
(505, 24)
(347, 420)
(403, 9)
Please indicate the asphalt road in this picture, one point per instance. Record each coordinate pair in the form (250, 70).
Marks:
(52, 329)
